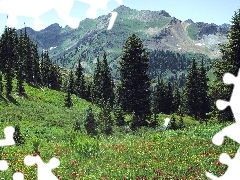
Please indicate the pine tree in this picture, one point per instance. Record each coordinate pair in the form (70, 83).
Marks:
(135, 82)
(203, 99)
(107, 82)
(105, 118)
(90, 123)
(192, 90)
(97, 82)
(45, 68)
(68, 100)
(54, 78)
(176, 99)
(71, 83)
(17, 136)
(119, 117)
(28, 60)
(20, 75)
(229, 63)
(168, 103)
(36, 66)
(20, 81)
(181, 124)
(173, 124)
(80, 84)
(1, 83)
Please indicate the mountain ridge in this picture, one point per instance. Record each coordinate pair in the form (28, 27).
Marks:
(157, 29)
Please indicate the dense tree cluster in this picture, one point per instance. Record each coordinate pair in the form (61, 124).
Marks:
(19, 57)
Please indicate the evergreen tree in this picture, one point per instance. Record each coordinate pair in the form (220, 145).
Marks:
(17, 136)
(119, 117)
(71, 83)
(97, 82)
(36, 66)
(20, 75)
(45, 68)
(135, 82)
(68, 100)
(105, 118)
(1, 83)
(107, 82)
(80, 84)
(90, 123)
(181, 123)
(229, 63)
(192, 91)
(28, 60)
(176, 99)
(20, 81)
(54, 78)
(173, 124)
(168, 103)
(203, 99)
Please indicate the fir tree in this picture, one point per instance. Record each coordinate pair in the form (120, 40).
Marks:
(1, 83)
(36, 66)
(17, 136)
(68, 100)
(90, 123)
(119, 117)
(192, 90)
(105, 118)
(229, 63)
(176, 99)
(203, 99)
(107, 82)
(168, 103)
(80, 84)
(135, 82)
(28, 60)
(71, 83)
(97, 82)
(173, 124)
(20, 81)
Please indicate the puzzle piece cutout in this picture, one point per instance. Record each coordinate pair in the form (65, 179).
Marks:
(8, 141)
(44, 170)
(231, 131)
(62, 7)
(232, 172)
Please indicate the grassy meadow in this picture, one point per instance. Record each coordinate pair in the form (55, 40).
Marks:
(148, 153)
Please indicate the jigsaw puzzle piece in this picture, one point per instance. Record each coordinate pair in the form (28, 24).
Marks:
(232, 172)
(44, 170)
(3, 165)
(8, 141)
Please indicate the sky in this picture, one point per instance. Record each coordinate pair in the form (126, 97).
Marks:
(39, 14)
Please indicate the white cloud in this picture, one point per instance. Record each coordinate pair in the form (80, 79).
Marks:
(36, 8)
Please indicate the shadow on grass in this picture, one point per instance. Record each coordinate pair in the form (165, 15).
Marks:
(12, 100)
(3, 99)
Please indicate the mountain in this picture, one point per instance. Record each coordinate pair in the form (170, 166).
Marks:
(157, 29)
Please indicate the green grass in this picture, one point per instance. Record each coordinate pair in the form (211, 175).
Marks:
(192, 31)
(149, 153)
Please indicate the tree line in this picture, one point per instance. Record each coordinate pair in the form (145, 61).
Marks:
(134, 93)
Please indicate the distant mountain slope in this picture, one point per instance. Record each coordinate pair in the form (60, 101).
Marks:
(157, 29)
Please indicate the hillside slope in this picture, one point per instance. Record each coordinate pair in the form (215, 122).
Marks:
(157, 29)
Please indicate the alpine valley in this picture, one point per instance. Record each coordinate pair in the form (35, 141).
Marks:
(157, 29)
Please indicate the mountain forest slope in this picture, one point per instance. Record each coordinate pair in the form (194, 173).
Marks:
(157, 29)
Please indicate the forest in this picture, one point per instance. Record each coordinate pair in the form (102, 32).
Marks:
(103, 120)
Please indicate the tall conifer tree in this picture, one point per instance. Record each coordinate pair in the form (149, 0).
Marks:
(135, 81)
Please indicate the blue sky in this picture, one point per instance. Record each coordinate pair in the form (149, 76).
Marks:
(209, 11)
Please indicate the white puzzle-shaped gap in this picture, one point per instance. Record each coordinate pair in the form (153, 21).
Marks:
(44, 171)
(231, 131)
(62, 7)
